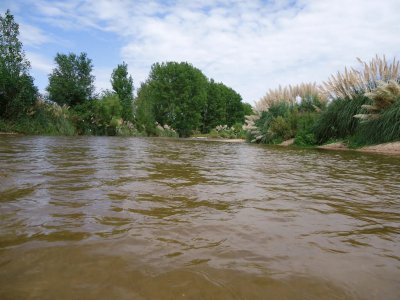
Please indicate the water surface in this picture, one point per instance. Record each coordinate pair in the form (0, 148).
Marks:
(131, 218)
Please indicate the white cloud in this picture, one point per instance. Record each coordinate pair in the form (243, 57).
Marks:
(32, 36)
(40, 63)
(102, 80)
(249, 45)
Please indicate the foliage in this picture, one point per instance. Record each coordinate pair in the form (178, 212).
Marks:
(178, 91)
(122, 84)
(107, 115)
(247, 109)
(228, 132)
(103, 116)
(385, 94)
(71, 82)
(382, 130)
(274, 124)
(43, 118)
(283, 121)
(144, 111)
(17, 91)
(224, 106)
(165, 131)
(305, 129)
(337, 121)
(355, 82)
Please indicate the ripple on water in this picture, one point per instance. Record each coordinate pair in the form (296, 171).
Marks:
(90, 217)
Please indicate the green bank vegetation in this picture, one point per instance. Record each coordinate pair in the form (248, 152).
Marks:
(177, 99)
(358, 106)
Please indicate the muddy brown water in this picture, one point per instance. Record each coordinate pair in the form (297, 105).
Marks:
(137, 218)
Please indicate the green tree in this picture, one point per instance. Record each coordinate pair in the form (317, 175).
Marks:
(17, 91)
(144, 110)
(177, 93)
(224, 107)
(214, 112)
(248, 109)
(122, 84)
(234, 107)
(71, 82)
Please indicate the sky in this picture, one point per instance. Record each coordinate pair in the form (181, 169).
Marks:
(251, 46)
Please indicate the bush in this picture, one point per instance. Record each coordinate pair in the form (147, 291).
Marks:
(165, 131)
(224, 131)
(42, 118)
(305, 129)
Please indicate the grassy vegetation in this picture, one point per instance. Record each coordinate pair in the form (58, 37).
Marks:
(363, 109)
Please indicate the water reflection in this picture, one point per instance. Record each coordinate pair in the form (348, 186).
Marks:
(117, 217)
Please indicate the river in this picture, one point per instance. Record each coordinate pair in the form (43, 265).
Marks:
(148, 218)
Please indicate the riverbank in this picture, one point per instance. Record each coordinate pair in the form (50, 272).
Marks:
(208, 139)
(387, 148)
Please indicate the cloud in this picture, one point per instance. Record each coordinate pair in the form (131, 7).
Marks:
(40, 63)
(249, 45)
(32, 36)
(102, 80)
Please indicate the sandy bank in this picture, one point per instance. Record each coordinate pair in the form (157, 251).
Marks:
(216, 140)
(387, 148)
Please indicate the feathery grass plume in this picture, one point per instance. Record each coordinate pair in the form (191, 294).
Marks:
(290, 94)
(384, 96)
(353, 82)
(253, 131)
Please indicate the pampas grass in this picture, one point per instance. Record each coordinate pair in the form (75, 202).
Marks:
(289, 94)
(354, 82)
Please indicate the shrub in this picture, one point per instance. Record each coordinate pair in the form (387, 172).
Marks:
(305, 129)
(165, 131)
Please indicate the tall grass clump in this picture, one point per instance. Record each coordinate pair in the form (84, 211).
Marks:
(360, 97)
(337, 121)
(380, 120)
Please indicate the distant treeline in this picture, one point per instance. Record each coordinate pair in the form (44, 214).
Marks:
(177, 99)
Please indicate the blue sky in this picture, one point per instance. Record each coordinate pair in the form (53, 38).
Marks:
(251, 46)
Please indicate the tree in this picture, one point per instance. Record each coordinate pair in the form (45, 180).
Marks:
(144, 110)
(17, 91)
(178, 94)
(122, 84)
(234, 107)
(71, 82)
(247, 109)
(214, 112)
(224, 107)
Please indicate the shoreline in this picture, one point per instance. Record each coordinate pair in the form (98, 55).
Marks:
(392, 148)
(207, 139)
